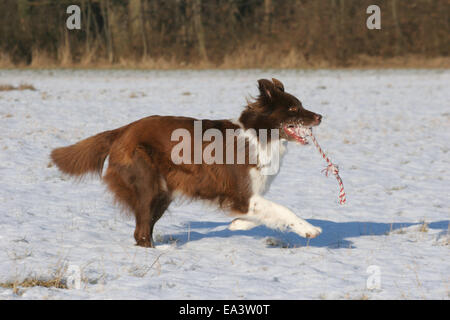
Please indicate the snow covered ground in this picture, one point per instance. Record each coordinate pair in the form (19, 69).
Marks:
(388, 131)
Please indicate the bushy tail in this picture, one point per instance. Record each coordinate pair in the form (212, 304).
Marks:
(86, 156)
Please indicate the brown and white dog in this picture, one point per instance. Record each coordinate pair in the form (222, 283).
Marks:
(144, 178)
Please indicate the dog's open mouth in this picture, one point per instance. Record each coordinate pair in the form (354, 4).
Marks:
(299, 133)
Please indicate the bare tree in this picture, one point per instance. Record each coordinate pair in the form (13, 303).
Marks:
(267, 15)
(104, 4)
(200, 32)
(398, 32)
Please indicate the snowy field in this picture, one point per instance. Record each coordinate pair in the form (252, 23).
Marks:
(389, 132)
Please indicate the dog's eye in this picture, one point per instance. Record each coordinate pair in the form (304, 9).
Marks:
(293, 109)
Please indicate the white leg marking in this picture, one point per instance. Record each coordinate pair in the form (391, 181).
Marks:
(276, 216)
(242, 224)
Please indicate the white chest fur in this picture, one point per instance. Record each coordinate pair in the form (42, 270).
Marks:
(269, 158)
(262, 178)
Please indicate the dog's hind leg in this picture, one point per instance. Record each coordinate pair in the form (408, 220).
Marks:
(138, 186)
(142, 233)
(158, 206)
(126, 186)
(153, 198)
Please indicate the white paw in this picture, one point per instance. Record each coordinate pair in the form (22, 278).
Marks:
(241, 224)
(307, 230)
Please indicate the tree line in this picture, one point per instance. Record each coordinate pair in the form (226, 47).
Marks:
(214, 33)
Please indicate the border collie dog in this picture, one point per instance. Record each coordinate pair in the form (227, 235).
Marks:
(144, 177)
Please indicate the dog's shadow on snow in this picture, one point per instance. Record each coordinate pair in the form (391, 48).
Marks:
(334, 234)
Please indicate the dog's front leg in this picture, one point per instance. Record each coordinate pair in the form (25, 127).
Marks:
(242, 224)
(276, 216)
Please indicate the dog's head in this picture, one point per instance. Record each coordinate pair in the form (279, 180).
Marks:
(276, 109)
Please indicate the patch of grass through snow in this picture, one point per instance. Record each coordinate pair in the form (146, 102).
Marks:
(21, 87)
(16, 286)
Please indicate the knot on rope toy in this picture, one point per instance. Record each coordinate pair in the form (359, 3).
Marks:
(331, 169)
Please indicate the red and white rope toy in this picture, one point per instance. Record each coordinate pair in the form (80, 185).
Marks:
(331, 168)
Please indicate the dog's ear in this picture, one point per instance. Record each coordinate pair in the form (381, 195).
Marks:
(266, 88)
(278, 84)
